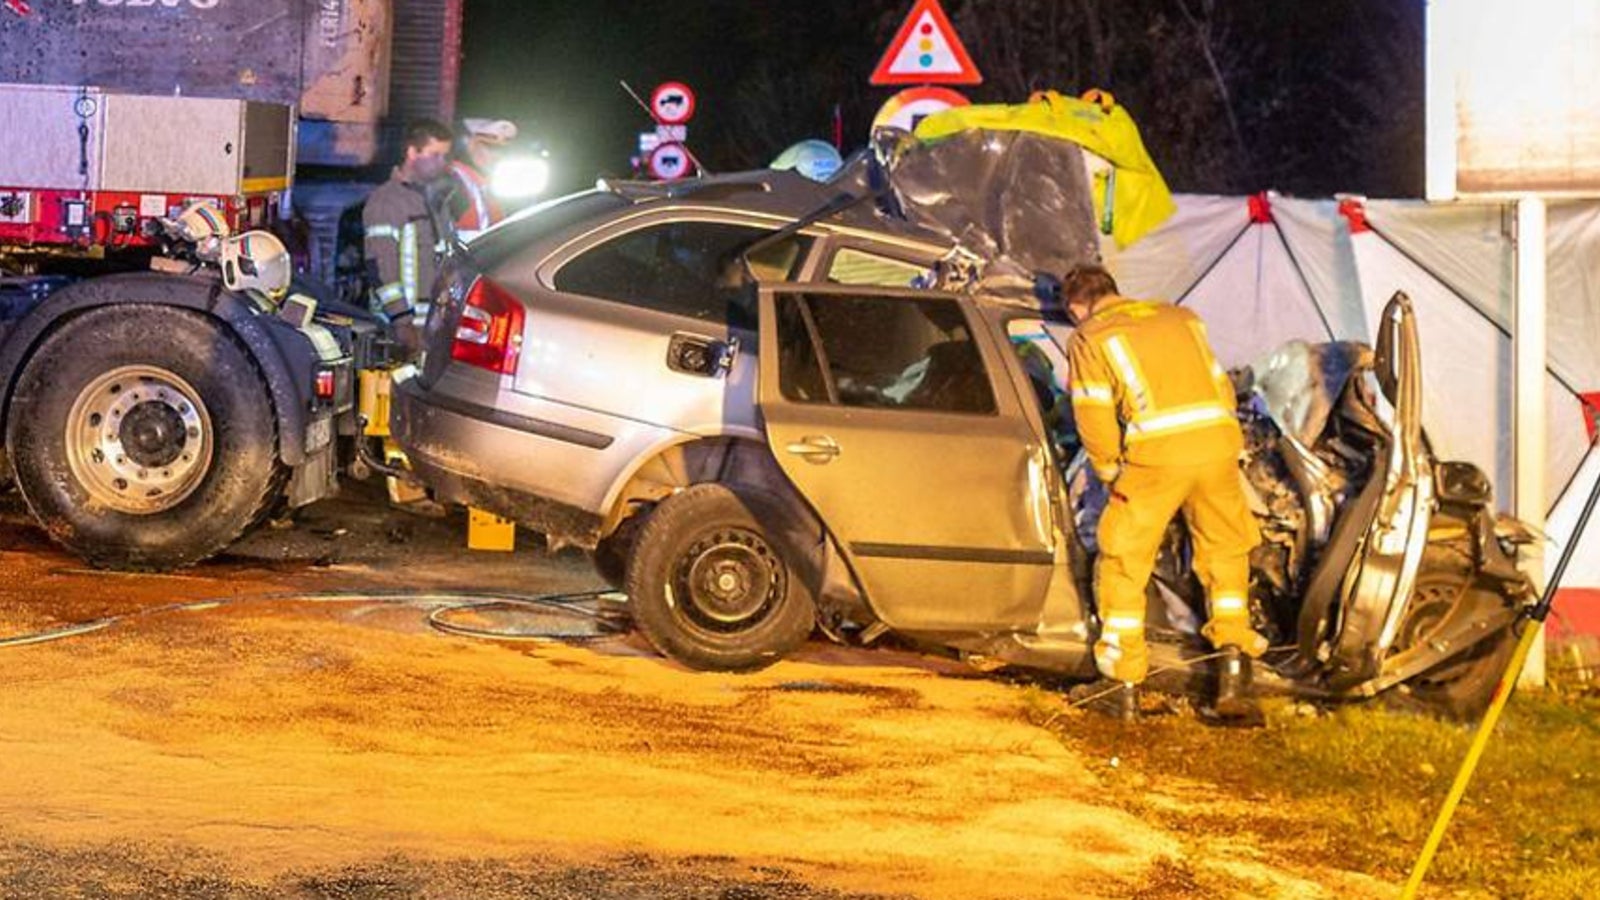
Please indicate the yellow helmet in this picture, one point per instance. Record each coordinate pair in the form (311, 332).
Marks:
(256, 261)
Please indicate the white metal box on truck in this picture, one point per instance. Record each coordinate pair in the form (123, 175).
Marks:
(80, 163)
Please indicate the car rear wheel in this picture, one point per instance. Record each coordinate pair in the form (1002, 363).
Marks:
(142, 437)
(1462, 687)
(711, 585)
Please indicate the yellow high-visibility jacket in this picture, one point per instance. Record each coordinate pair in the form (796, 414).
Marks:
(1147, 390)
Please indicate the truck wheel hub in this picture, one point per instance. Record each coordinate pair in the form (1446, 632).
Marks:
(153, 434)
(139, 439)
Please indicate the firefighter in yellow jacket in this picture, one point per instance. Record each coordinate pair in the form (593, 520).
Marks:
(1155, 413)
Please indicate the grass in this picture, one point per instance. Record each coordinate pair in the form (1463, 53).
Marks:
(1358, 789)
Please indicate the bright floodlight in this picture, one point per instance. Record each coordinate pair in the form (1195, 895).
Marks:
(521, 177)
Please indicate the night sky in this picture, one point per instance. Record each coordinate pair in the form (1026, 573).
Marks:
(1325, 96)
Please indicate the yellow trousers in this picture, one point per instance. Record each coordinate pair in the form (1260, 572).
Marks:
(1143, 501)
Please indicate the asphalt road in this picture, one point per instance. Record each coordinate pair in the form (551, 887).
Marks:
(311, 736)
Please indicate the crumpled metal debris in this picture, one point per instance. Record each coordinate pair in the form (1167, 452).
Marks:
(1300, 382)
(1015, 200)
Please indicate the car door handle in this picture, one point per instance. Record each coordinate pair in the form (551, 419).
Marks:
(818, 448)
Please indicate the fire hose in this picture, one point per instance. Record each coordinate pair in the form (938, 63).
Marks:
(447, 605)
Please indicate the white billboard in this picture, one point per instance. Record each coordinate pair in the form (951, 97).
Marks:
(1512, 104)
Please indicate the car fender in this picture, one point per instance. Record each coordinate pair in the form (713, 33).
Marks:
(284, 355)
(624, 490)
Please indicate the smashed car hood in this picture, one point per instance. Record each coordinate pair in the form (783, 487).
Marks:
(1017, 201)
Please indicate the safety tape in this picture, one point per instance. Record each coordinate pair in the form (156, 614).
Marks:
(383, 232)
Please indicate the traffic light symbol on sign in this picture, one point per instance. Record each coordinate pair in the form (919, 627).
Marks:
(926, 50)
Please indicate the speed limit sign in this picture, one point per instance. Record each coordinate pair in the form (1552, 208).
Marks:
(670, 161)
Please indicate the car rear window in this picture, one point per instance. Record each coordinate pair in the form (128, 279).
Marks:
(880, 352)
(687, 268)
(492, 247)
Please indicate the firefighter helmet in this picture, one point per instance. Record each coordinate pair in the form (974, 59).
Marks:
(816, 160)
(256, 261)
(201, 223)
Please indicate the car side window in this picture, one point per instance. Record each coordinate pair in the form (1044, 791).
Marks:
(880, 352)
(685, 268)
(852, 266)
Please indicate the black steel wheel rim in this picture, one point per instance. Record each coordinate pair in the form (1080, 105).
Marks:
(727, 581)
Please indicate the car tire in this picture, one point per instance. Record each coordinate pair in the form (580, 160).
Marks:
(711, 583)
(143, 437)
(1462, 687)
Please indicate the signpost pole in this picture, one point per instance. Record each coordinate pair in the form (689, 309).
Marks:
(1528, 365)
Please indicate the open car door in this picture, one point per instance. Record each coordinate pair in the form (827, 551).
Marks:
(882, 407)
(1389, 519)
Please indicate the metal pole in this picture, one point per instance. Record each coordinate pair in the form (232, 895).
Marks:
(1533, 627)
(1528, 364)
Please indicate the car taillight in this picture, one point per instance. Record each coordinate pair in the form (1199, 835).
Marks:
(489, 334)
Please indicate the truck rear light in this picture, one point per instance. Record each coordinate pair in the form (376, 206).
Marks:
(325, 384)
(489, 334)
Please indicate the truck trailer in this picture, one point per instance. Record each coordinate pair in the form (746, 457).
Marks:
(150, 415)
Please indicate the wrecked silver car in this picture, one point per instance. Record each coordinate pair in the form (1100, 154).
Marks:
(771, 406)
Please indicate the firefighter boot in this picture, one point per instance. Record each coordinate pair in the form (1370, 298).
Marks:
(1235, 703)
(1112, 699)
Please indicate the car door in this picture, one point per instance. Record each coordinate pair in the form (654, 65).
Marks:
(1379, 584)
(881, 407)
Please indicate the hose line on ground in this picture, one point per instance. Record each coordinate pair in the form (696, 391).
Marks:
(446, 601)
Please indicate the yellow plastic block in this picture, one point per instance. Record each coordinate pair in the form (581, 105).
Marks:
(487, 531)
(375, 390)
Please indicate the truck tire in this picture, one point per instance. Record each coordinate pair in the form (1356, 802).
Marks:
(1460, 688)
(710, 581)
(143, 437)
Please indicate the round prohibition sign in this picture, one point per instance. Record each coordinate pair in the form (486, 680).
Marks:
(672, 103)
(670, 161)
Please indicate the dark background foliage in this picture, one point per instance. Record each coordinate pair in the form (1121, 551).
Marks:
(1308, 97)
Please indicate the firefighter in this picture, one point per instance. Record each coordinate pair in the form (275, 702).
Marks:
(1155, 412)
(473, 203)
(406, 232)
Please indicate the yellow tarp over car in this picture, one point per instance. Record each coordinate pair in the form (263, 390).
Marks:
(1130, 199)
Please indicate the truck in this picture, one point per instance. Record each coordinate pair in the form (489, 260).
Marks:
(149, 415)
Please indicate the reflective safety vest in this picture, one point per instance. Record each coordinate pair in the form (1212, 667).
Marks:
(1147, 390)
(482, 210)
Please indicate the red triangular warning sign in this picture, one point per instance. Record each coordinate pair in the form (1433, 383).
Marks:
(926, 51)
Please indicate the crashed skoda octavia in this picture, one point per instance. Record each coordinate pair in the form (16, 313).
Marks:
(770, 406)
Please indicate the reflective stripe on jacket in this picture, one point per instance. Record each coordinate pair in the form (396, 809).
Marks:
(482, 210)
(1147, 390)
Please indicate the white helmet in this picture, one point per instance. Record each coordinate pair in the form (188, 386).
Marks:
(816, 160)
(256, 261)
(202, 225)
